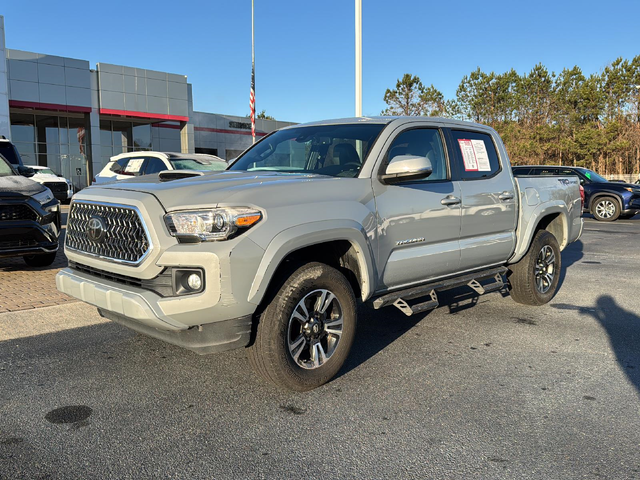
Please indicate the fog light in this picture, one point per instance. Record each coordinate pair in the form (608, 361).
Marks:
(187, 281)
(194, 281)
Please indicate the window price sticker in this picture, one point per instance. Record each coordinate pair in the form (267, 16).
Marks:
(134, 165)
(474, 155)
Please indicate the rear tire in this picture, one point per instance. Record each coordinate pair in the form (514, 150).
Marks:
(303, 338)
(606, 209)
(534, 279)
(43, 260)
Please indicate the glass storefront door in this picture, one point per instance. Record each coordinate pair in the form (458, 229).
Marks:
(48, 139)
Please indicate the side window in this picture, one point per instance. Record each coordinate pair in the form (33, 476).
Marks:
(476, 153)
(154, 165)
(118, 166)
(423, 142)
(548, 171)
(519, 172)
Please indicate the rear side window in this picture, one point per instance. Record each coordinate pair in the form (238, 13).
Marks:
(118, 166)
(476, 154)
(128, 166)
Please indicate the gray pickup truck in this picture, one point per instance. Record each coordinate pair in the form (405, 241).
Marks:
(273, 253)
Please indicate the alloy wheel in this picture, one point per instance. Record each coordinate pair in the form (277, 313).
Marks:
(605, 209)
(545, 269)
(315, 329)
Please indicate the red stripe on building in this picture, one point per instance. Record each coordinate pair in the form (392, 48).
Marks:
(155, 116)
(49, 106)
(221, 130)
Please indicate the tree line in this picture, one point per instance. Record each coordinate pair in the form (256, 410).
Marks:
(543, 117)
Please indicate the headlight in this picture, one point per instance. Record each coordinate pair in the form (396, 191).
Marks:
(213, 224)
(43, 197)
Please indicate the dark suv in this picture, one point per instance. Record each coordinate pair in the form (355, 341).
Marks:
(29, 217)
(606, 200)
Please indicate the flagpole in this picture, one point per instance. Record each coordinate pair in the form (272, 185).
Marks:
(252, 99)
(358, 58)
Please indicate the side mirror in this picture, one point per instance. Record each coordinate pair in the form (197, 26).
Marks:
(26, 171)
(407, 167)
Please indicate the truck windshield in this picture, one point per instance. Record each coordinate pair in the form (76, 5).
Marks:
(593, 176)
(333, 150)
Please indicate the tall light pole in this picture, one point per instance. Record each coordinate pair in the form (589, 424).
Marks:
(252, 95)
(358, 58)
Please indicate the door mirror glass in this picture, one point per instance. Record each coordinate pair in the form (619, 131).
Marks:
(26, 171)
(407, 167)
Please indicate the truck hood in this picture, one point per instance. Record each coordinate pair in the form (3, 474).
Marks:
(19, 186)
(47, 177)
(210, 189)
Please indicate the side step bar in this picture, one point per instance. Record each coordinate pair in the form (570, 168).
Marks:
(399, 298)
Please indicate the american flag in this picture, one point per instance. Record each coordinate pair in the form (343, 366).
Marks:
(252, 102)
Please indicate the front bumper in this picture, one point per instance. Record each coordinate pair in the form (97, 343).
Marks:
(142, 311)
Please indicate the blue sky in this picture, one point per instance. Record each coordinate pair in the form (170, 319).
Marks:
(305, 49)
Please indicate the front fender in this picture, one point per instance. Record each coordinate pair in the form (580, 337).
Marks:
(313, 233)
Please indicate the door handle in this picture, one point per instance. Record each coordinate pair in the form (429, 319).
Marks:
(450, 200)
(505, 196)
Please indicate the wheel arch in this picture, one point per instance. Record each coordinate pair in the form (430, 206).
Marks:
(596, 196)
(342, 246)
(552, 218)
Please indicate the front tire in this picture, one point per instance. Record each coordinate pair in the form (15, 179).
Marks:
(606, 209)
(43, 260)
(306, 331)
(534, 279)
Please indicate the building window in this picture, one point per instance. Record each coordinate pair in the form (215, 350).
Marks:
(208, 151)
(231, 154)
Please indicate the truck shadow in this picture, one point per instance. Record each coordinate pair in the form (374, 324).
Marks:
(623, 329)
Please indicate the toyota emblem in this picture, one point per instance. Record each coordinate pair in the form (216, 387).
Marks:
(96, 229)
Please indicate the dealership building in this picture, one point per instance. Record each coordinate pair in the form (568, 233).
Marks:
(62, 113)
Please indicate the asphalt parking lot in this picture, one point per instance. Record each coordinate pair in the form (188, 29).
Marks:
(479, 388)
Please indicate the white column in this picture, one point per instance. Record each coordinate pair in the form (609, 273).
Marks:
(5, 124)
(358, 58)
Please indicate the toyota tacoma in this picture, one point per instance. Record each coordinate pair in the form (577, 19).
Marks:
(274, 253)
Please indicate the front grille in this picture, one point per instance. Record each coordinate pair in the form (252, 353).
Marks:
(10, 244)
(17, 212)
(57, 187)
(122, 237)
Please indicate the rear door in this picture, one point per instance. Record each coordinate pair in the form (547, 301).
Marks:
(418, 221)
(489, 208)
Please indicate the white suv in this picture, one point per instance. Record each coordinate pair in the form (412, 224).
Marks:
(61, 187)
(132, 164)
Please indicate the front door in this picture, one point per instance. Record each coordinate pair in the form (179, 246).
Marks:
(419, 220)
